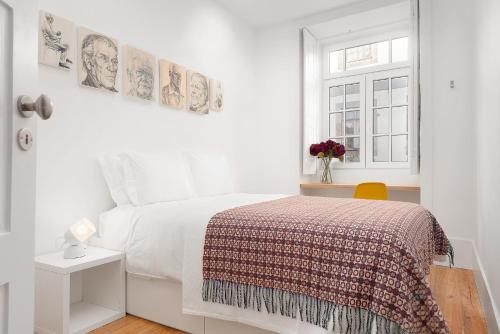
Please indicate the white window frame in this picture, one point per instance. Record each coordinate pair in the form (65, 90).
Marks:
(362, 133)
(370, 78)
(342, 44)
(365, 77)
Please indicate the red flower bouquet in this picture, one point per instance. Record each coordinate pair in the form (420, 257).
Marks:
(326, 151)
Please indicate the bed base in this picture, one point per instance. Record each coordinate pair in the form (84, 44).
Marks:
(160, 300)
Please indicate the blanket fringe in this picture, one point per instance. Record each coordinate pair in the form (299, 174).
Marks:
(341, 319)
(451, 255)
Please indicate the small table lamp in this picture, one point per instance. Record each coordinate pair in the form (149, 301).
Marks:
(75, 236)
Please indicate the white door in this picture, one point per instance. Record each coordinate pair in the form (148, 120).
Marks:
(18, 75)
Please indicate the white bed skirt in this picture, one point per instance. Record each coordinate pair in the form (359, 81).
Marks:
(160, 300)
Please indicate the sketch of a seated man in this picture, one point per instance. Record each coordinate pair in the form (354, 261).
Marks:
(171, 93)
(53, 40)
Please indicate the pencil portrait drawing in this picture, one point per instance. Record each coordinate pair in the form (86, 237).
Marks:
(172, 84)
(98, 65)
(198, 93)
(139, 70)
(56, 41)
(216, 95)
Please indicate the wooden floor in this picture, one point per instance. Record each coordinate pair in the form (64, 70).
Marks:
(454, 290)
(456, 293)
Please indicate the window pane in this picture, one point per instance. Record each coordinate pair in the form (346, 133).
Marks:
(352, 122)
(338, 140)
(367, 55)
(336, 98)
(337, 61)
(399, 91)
(399, 119)
(352, 96)
(381, 149)
(400, 148)
(380, 121)
(381, 93)
(352, 149)
(336, 124)
(400, 49)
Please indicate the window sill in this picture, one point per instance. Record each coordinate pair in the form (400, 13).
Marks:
(399, 187)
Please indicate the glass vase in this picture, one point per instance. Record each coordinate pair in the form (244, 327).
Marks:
(326, 176)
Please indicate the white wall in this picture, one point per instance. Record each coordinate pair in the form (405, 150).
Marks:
(196, 33)
(278, 73)
(451, 113)
(362, 23)
(487, 110)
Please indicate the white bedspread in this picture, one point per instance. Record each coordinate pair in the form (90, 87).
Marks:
(166, 240)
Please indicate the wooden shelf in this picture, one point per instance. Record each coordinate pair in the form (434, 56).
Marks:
(398, 187)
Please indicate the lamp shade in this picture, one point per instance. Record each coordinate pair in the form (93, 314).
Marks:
(82, 230)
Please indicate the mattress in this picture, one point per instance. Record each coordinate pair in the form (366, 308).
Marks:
(153, 236)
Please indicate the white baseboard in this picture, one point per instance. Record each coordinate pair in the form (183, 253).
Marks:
(39, 330)
(467, 257)
(483, 289)
(464, 254)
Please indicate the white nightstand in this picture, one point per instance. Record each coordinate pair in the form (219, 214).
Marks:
(78, 295)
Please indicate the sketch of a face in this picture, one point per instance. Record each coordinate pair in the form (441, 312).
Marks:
(172, 84)
(175, 77)
(218, 101)
(198, 93)
(100, 62)
(141, 78)
(216, 95)
(49, 18)
(171, 94)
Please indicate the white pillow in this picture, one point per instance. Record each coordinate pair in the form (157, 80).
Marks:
(212, 174)
(111, 166)
(153, 178)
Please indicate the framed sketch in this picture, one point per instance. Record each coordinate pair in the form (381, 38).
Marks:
(216, 95)
(98, 60)
(172, 84)
(56, 41)
(198, 92)
(139, 71)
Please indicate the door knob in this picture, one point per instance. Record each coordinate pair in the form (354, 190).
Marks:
(42, 106)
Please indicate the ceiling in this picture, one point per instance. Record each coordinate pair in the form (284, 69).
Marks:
(261, 13)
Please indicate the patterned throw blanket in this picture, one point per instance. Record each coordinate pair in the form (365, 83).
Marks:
(342, 264)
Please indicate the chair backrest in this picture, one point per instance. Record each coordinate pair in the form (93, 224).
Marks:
(371, 190)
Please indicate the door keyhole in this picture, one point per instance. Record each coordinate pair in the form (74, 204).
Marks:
(25, 139)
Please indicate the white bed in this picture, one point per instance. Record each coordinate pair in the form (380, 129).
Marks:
(164, 203)
(164, 245)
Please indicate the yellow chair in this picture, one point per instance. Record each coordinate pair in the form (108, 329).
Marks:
(371, 190)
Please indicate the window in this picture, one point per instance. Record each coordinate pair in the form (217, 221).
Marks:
(370, 112)
(368, 55)
(399, 50)
(346, 116)
(387, 118)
